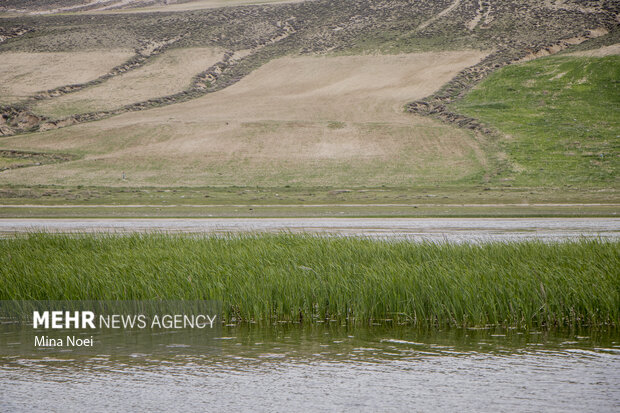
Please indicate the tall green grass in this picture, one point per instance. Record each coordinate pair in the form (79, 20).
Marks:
(310, 278)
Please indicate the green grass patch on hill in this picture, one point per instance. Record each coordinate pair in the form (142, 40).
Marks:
(309, 278)
(561, 119)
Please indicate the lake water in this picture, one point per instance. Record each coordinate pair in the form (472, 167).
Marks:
(414, 229)
(332, 368)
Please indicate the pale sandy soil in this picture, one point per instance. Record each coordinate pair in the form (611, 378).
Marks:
(166, 74)
(296, 120)
(346, 88)
(203, 4)
(614, 49)
(138, 6)
(22, 74)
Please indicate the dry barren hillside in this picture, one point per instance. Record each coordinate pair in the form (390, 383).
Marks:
(276, 126)
(318, 93)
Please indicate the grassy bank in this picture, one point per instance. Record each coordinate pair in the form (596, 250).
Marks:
(287, 277)
(560, 117)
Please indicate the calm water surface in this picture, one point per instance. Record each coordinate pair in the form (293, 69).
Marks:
(332, 368)
(414, 229)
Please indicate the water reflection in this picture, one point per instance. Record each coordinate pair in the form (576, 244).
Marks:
(328, 367)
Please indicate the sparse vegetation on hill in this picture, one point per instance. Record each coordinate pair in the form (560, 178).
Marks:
(250, 120)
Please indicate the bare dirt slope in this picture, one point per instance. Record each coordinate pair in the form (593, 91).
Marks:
(346, 88)
(309, 120)
(23, 74)
(315, 96)
(165, 74)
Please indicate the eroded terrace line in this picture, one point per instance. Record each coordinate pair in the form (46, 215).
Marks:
(436, 105)
(18, 118)
(13, 32)
(232, 68)
(222, 74)
(142, 56)
(25, 159)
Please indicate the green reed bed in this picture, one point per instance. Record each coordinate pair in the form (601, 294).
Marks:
(309, 278)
